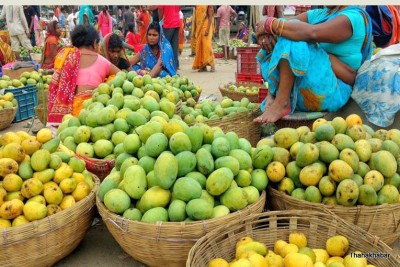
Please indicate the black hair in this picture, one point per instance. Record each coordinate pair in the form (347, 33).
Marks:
(131, 26)
(115, 42)
(155, 26)
(84, 35)
(127, 7)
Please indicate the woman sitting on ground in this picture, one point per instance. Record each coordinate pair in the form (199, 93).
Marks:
(51, 45)
(242, 33)
(312, 66)
(133, 38)
(78, 70)
(156, 58)
(112, 48)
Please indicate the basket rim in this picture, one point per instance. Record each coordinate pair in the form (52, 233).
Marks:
(101, 206)
(328, 207)
(253, 218)
(48, 220)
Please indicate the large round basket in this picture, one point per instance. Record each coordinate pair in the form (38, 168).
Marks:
(7, 115)
(241, 123)
(382, 221)
(237, 96)
(269, 227)
(44, 242)
(165, 244)
(298, 119)
(100, 167)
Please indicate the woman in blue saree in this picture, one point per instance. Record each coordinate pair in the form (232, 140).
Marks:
(310, 63)
(85, 15)
(156, 58)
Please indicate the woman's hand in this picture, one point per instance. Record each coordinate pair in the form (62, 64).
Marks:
(206, 33)
(260, 28)
(267, 42)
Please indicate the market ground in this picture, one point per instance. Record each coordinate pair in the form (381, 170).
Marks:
(99, 248)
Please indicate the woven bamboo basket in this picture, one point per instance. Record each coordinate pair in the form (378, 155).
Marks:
(298, 119)
(165, 243)
(237, 96)
(7, 115)
(100, 167)
(178, 108)
(269, 227)
(46, 241)
(241, 123)
(381, 221)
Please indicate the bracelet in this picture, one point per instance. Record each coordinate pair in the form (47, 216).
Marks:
(268, 25)
(281, 30)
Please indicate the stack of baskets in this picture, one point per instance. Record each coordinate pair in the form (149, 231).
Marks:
(46, 241)
(269, 227)
(7, 116)
(166, 243)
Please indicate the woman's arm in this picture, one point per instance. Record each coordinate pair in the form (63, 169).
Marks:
(209, 17)
(53, 51)
(342, 70)
(301, 31)
(155, 71)
(135, 59)
(113, 69)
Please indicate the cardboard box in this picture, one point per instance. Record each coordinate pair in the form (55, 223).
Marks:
(14, 74)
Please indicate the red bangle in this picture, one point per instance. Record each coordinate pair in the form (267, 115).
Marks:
(268, 24)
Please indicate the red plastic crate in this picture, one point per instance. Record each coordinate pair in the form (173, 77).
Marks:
(246, 60)
(255, 78)
(262, 94)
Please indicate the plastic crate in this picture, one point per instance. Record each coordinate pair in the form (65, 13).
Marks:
(262, 94)
(246, 60)
(255, 78)
(27, 100)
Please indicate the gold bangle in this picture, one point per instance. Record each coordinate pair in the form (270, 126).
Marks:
(281, 30)
(270, 26)
(277, 27)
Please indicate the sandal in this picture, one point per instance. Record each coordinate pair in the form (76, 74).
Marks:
(203, 70)
(212, 69)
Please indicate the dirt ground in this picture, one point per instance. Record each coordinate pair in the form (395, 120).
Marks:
(99, 248)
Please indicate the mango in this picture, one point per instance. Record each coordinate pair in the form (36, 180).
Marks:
(166, 170)
(234, 199)
(179, 142)
(11, 209)
(262, 156)
(186, 189)
(205, 161)
(34, 211)
(220, 147)
(286, 137)
(347, 192)
(199, 209)
(40, 160)
(385, 163)
(135, 182)
(244, 158)
(186, 162)
(308, 153)
(219, 181)
(154, 197)
(44, 176)
(339, 170)
(177, 211)
(157, 214)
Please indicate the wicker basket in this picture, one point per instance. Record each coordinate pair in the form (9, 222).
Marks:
(41, 113)
(46, 241)
(298, 119)
(381, 221)
(100, 167)
(269, 227)
(237, 96)
(241, 123)
(7, 116)
(165, 244)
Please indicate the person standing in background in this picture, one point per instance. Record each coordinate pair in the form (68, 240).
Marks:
(61, 19)
(225, 14)
(120, 15)
(38, 31)
(181, 32)
(273, 11)
(105, 22)
(18, 27)
(193, 40)
(204, 32)
(154, 11)
(171, 25)
(127, 18)
(29, 12)
(57, 12)
(143, 22)
(72, 20)
(52, 16)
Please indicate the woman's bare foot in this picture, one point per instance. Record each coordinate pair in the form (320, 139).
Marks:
(274, 112)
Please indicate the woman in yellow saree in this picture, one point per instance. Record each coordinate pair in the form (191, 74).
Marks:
(6, 53)
(204, 53)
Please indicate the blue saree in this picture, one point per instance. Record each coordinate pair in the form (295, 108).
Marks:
(316, 87)
(148, 59)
